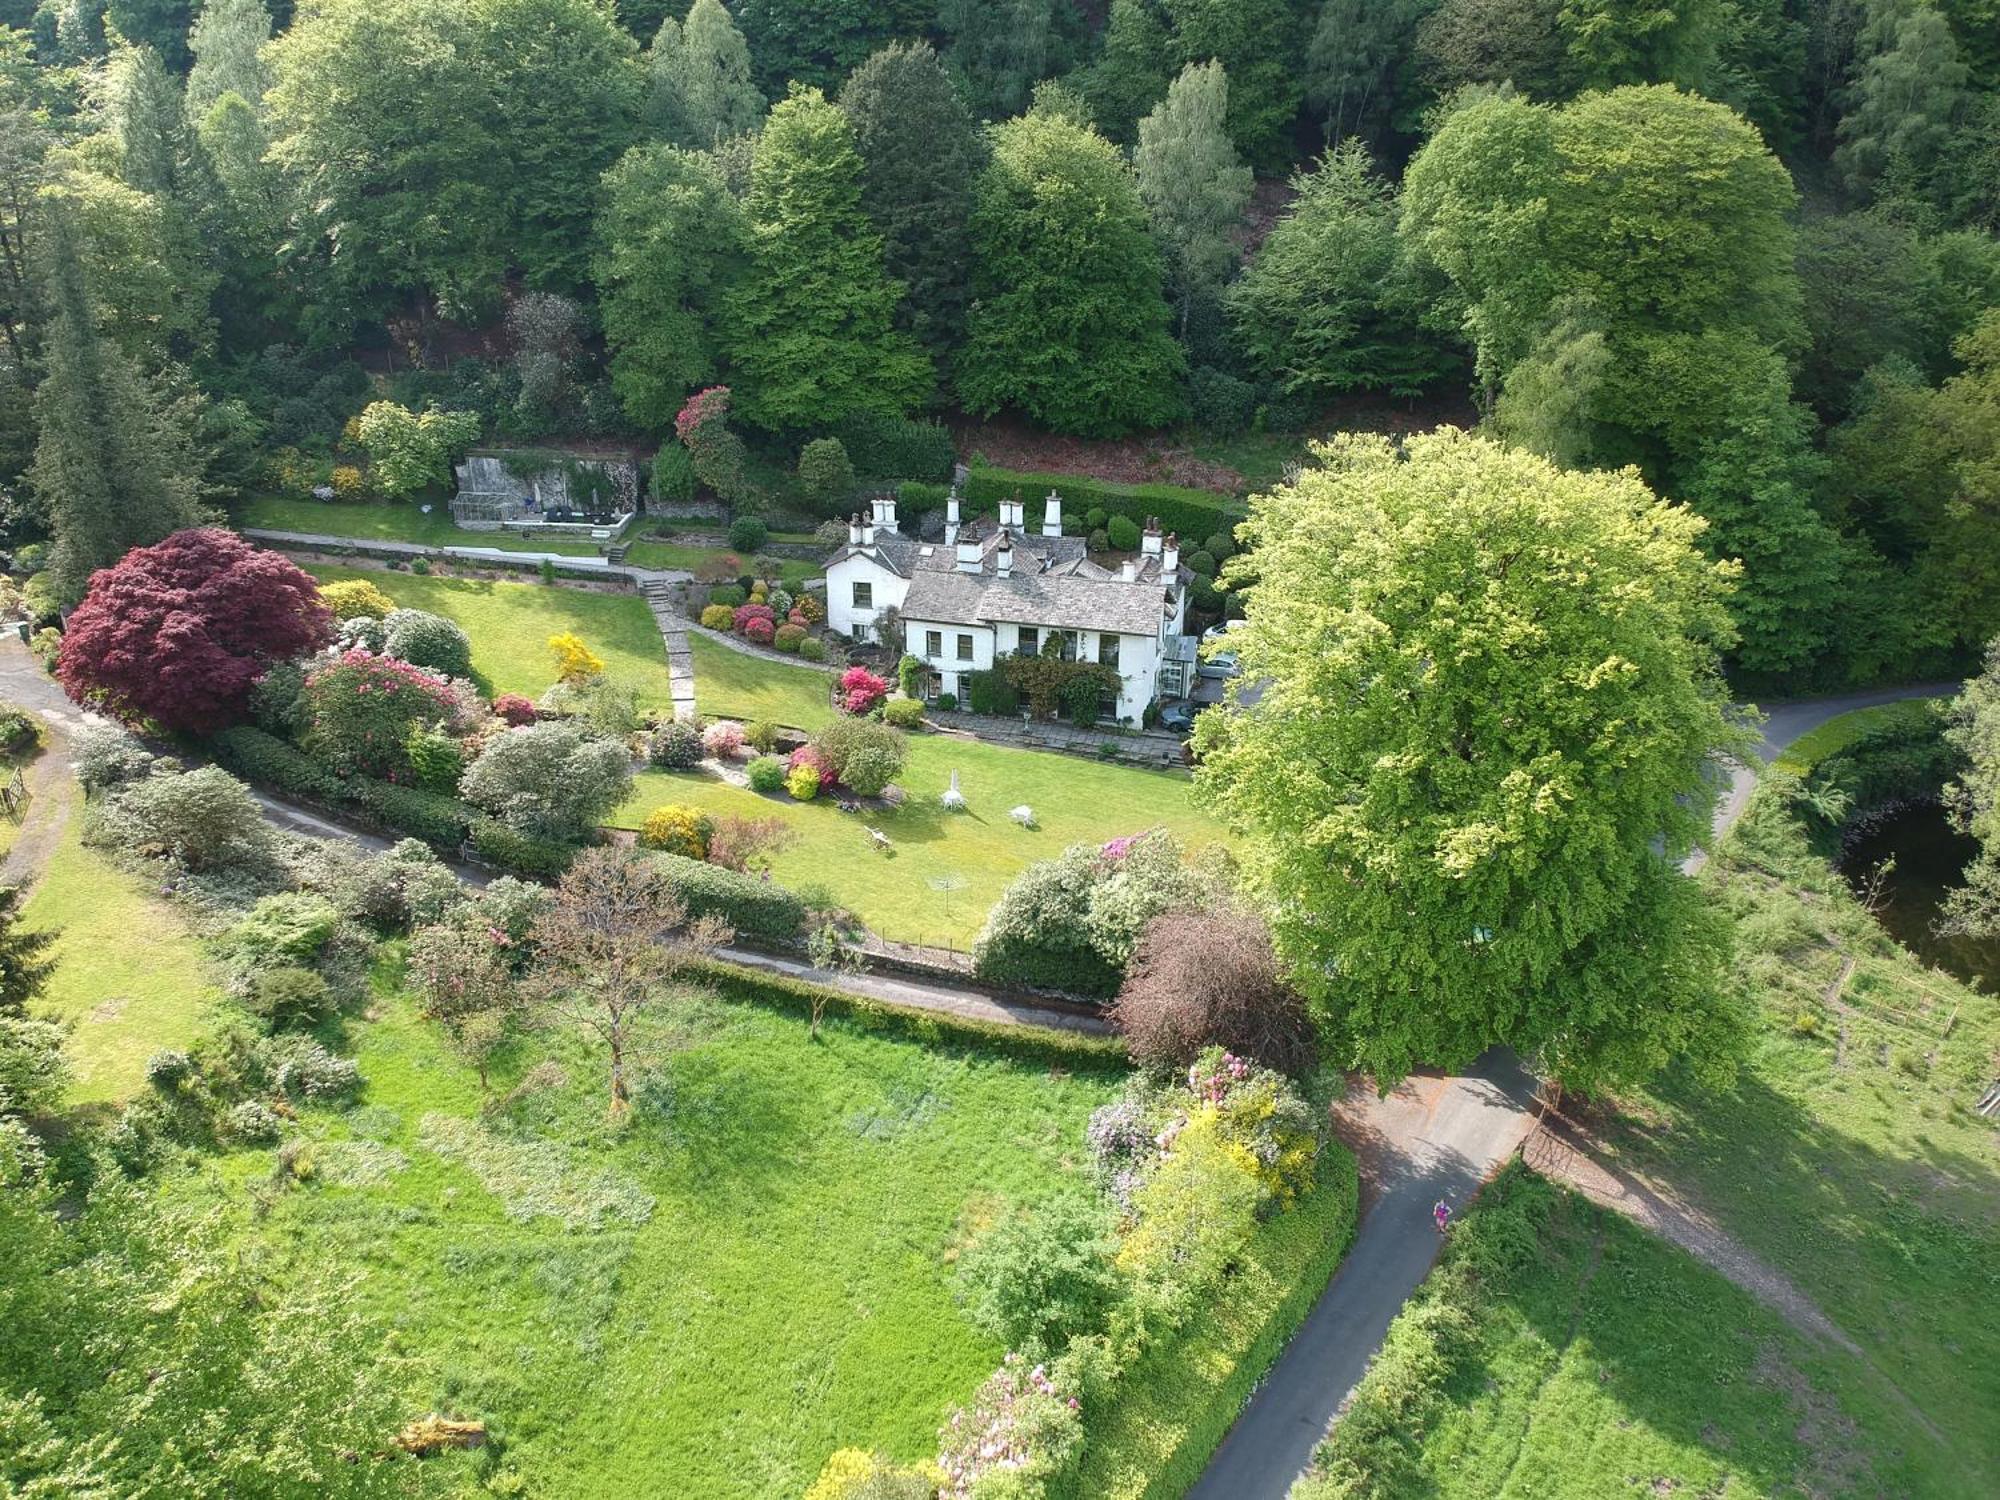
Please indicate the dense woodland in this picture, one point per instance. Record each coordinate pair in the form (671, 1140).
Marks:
(1747, 245)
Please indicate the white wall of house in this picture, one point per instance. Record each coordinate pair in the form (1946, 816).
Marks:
(886, 591)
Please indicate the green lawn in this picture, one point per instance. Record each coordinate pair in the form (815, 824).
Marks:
(510, 625)
(736, 685)
(711, 1301)
(1562, 1353)
(129, 974)
(903, 894)
(1848, 1153)
(377, 522)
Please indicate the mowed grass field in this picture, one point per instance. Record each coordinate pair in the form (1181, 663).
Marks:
(709, 1301)
(942, 871)
(510, 625)
(1563, 1353)
(130, 977)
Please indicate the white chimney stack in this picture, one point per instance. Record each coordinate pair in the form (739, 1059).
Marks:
(1003, 557)
(1149, 542)
(968, 557)
(1171, 560)
(951, 518)
(854, 530)
(1052, 520)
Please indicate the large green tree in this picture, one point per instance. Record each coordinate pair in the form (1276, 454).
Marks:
(1194, 185)
(920, 156)
(702, 91)
(111, 471)
(1068, 319)
(669, 238)
(1491, 710)
(1330, 302)
(812, 322)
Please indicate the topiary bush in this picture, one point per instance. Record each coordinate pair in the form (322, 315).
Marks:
(426, 640)
(766, 773)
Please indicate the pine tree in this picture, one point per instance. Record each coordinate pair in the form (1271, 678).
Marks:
(813, 333)
(920, 156)
(227, 42)
(111, 473)
(1193, 183)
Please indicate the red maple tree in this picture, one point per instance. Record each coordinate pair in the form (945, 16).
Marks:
(179, 632)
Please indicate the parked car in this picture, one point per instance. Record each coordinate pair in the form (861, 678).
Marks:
(1178, 716)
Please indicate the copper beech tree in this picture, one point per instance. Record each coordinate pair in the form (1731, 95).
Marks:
(610, 948)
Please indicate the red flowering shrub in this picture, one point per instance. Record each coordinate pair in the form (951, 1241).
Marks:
(861, 690)
(360, 709)
(515, 709)
(745, 613)
(760, 631)
(180, 631)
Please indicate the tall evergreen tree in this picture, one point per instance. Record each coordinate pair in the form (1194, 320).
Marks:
(813, 337)
(228, 41)
(1068, 322)
(109, 470)
(702, 91)
(920, 156)
(669, 238)
(1192, 182)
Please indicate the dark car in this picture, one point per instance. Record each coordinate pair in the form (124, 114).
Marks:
(1179, 717)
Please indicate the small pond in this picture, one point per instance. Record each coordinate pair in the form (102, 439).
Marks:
(1930, 858)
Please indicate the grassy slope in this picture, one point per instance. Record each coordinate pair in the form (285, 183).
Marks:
(1847, 1152)
(1075, 801)
(129, 974)
(787, 1295)
(1563, 1353)
(510, 625)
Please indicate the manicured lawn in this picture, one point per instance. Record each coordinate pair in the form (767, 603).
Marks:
(902, 894)
(510, 625)
(129, 974)
(706, 1303)
(1848, 1152)
(1562, 1352)
(735, 685)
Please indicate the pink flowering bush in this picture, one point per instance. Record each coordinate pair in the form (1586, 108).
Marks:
(360, 709)
(515, 709)
(1020, 1423)
(723, 739)
(861, 690)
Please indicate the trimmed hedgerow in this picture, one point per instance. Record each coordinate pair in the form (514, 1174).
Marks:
(757, 909)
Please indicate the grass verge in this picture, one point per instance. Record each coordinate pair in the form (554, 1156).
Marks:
(942, 871)
(129, 976)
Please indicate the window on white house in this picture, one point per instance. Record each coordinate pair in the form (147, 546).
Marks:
(864, 596)
(1026, 640)
(965, 648)
(1107, 649)
(934, 643)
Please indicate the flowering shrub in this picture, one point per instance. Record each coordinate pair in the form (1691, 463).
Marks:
(723, 738)
(360, 709)
(861, 690)
(574, 660)
(803, 783)
(514, 708)
(763, 632)
(789, 637)
(1019, 1423)
(718, 617)
(677, 830)
(745, 614)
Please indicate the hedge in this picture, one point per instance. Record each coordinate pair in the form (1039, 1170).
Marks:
(1170, 1411)
(522, 853)
(1194, 514)
(430, 816)
(1037, 1045)
(757, 909)
(264, 758)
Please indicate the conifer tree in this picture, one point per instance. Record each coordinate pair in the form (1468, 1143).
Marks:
(813, 335)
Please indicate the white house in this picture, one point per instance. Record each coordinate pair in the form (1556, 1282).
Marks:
(993, 589)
